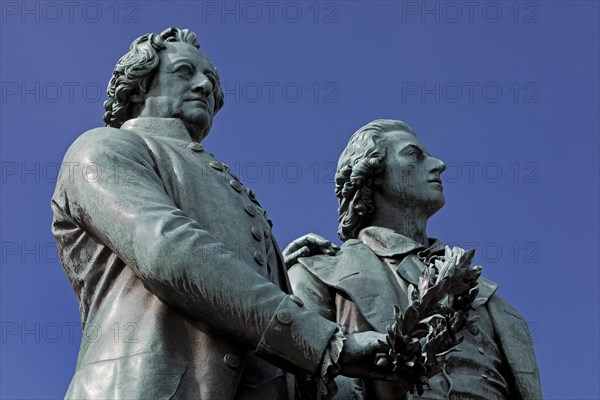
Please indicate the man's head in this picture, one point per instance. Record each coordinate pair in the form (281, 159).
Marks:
(385, 163)
(165, 76)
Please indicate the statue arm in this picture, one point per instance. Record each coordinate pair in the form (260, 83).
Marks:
(177, 260)
(315, 294)
(321, 298)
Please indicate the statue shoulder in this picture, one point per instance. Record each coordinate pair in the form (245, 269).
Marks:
(498, 303)
(104, 140)
(107, 137)
(353, 255)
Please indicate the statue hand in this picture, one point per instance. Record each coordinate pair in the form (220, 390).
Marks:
(307, 245)
(364, 355)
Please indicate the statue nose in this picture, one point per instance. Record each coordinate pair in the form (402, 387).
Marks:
(204, 86)
(439, 166)
(442, 166)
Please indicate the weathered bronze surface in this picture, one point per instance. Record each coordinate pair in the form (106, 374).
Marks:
(162, 240)
(388, 187)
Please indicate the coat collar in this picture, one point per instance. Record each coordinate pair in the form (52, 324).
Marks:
(402, 250)
(162, 127)
(386, 242)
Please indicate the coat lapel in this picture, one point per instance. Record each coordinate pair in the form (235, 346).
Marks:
(359, 273)
(362, 275)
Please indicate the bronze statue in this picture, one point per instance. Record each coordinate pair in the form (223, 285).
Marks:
(388, 187)
(164, 245)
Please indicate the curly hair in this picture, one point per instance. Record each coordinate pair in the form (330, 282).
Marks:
(134, 72)
(360, 163)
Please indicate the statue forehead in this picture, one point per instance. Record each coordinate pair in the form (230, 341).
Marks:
(399, 139)
(175, 51)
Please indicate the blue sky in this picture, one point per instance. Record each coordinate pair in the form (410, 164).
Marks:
(506, 93)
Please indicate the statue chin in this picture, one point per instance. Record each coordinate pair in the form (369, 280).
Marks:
(435, 206)
(198, 127)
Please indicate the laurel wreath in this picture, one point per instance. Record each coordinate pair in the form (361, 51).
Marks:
(428, 329)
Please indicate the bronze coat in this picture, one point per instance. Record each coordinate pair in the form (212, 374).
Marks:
(360, 274)
(171, 263)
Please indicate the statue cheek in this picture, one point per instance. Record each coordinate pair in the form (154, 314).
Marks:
(409, 168)
(408, 173)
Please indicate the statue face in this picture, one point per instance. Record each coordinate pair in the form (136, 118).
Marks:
(183, 87)
(412, 176)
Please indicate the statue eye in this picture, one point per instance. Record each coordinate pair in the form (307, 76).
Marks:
(416, 152)
(184, 69)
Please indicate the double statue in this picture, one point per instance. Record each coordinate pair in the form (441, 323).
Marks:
(164, 245)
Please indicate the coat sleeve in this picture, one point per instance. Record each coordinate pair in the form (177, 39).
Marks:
(315, 294)
(175, 258)
(318, 296)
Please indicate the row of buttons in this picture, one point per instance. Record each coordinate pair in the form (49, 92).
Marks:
(234, 183)
(250, 209)
(219, 166)
(238, 187)
(256, 233)
(231, 360)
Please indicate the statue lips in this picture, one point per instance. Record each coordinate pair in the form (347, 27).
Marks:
(201, 100)
(437, 181)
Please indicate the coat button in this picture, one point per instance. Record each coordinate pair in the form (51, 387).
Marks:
(285, 316)
(195, 146)
(256, 233)
(231, 361)
(297, 300)
(260, 260)
(216, 165)
(474, 330)
(250, 209)
(236, 185)
(267, 234)
(480, 350)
